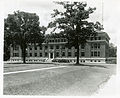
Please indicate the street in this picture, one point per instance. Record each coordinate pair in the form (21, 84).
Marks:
(55, 80)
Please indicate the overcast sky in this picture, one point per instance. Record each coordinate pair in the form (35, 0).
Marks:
(44, 8)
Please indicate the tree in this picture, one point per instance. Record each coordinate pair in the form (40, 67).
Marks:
(112, 50)
(23, 28)
(73, 24)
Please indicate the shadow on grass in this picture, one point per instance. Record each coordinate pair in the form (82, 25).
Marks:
(89, 65)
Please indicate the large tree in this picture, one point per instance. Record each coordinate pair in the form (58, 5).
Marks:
(73, 22)
(23, 28)
(112, 50)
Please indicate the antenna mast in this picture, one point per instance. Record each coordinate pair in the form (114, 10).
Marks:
(102, 12)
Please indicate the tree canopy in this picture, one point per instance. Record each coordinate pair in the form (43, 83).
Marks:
(23, 28)
(73, 23)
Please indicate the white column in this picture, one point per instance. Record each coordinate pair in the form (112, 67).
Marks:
(53, 55)
(49, 55)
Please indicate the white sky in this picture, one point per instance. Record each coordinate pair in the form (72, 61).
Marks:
(44, 8)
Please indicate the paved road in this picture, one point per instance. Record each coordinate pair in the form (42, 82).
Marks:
(54, 79)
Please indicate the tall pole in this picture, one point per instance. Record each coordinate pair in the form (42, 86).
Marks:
(102, 13)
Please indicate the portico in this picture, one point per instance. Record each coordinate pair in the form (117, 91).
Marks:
(51, 54)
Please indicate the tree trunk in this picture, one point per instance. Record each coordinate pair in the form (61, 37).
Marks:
(23, 48)
(77, 54)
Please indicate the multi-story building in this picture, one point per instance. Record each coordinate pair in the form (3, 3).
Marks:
(94, 51)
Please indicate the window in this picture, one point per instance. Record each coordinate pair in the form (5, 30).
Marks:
(57, 47)
(98, 60)
(57, 54)
(63, 47)
(69, 53)
(82, 53)
(15, 54)
(30, 48)
(98, 53)
(46, 47)
(98, 46)
(35, 54)
(35, 48)
(15, 47)
(95, 38)
(63, 53)
(40, 48)
(91, 53)
(75, 54)
(92, 38)
(55, 40)
(99, 38)
(30, 54)
(82, 46)
(46, 54)
(40, 54)
(51, 47)
(58, 40)
(92, 46)
(95, 46)
(95, 53)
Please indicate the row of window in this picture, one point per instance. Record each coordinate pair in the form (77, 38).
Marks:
(93, 54)
(95, 38)
(55, 40)
(95, 46)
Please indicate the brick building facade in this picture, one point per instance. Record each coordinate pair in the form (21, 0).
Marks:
(94, 51)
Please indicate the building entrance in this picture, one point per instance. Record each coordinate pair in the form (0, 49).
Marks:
(51, 55)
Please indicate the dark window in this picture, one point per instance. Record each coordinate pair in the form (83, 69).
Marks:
(57, 47)
(98, 46)
(40, 54)
(92, 38)
(69, 53)
(46, 54)
(69, 47)
(82, 53)
(30, 48)
(75, 53)
(46, 47)
(82, 46)
(58, 40)
(61, 40)
(98, 53)
(51, 47)
(35, 48)
(95, 53)
(55, 40)
(99, 38)
(57, 54)
(15, 54)
(92, 46)
(63, 47)
(63, 53)
(52, 40)
(95, 46)
(91, 53)
(35, 54)
(95, 38)
(15, 47)
(30, 54)
(40, 48)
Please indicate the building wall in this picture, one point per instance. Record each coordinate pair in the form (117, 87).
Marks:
(94, 48)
